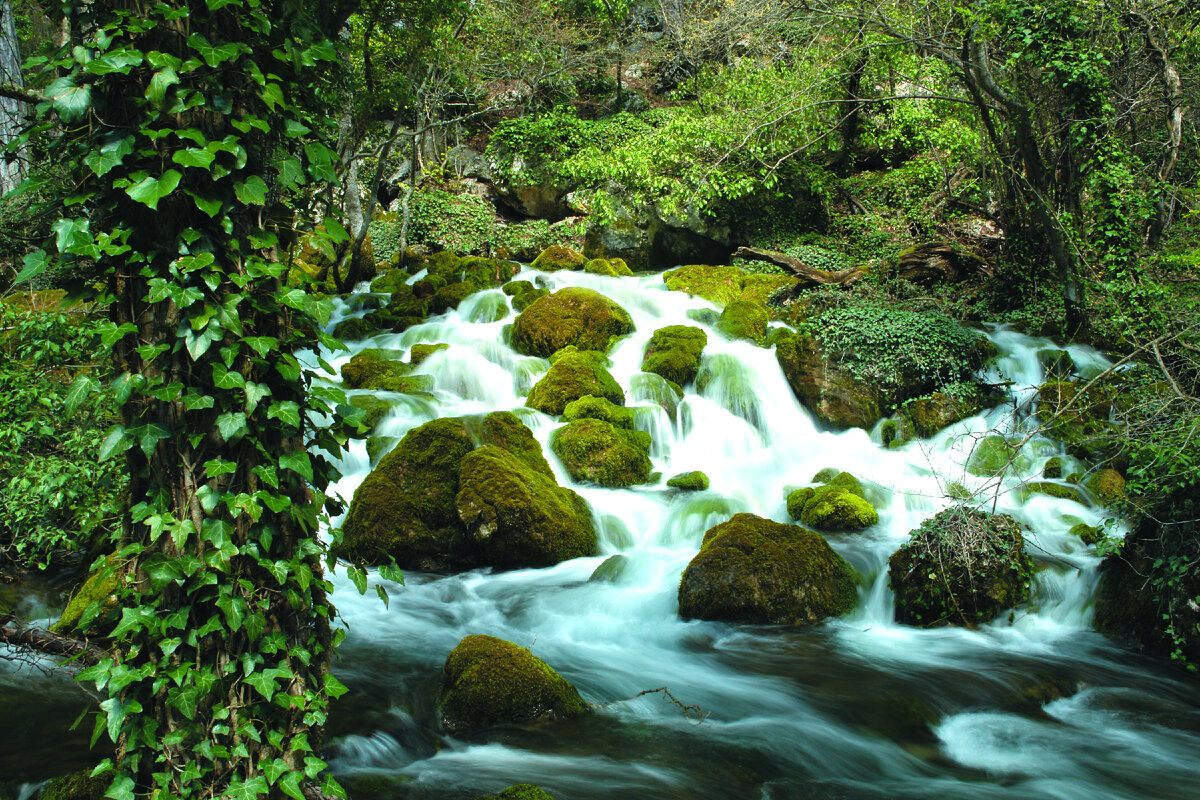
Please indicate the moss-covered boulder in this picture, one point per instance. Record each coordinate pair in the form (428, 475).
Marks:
(521, 791)
(572, 316)
(610, 570)
(674, 353)
(76, 786)
(930, 414)
(393, 280)
(572, 375)
(994, 455)
(1080, 418)
(100, 587)
(377, 370)
(1060, 491)
(450, 295)
(380, 446)
(590, 407)
(1052, 469)
(594, 451)
(834, 396)
(722, 285)
(556, 257)
(374, 410)
(646, 387)
(612, 267)
(751, 569)
(1088, 534)
(1107, 486)
(695, 481)
(420, 352)
(516, 514)
(356, 328)
(834, 508)
(961, 567)
(487, 681)
(744, 319)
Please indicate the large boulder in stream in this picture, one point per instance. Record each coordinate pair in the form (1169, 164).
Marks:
(574, 374)
(835, 396)
(572, 316)
(674, 353)
(487, 681)
(595, 451)
(458, 493)
(751, 569)
(961, 567)
(838, 505)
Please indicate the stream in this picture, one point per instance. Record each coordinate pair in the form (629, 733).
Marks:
(1036, 705)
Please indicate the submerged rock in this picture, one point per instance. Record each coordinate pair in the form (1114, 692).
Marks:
(751, 569)
(595, 451)
(930, 414)
(994, 455)
(961, 567)
(674, 353)
(573, 374)
(572, 316)
(744, 319)
(487, 681)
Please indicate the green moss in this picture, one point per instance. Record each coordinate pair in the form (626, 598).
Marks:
(487, 681)
(1107, 486)
(705, 316)
(759, 288)
(594, 451)
(961, 567)
(994, 455)
(755, 570)
(645, 387)
(610, 569)
(1088, 533)
(571, 376)
(837, 508)
(76, 786)
(505, 430)
(674, 353)
(1053, 469)
(420, 352)
(613, 267)
(378, 447)
(394, 280)
(555, 257)
(381, 370)
(518, 516)
(956, 491)
(591, 407)
(524, 300)
(1058, 490)
(522, 791)
(450, 295)
(930, 414)
(826, 475)
(797, 499)
(375, 408)
(352, 330)
(744, 319)
(835, 396)
(719, 285)
(100, 587)
(514, 288)
(572, 316)
(896, 433)
(695, 481)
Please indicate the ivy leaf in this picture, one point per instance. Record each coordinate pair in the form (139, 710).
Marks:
(297, 461)
(253, 192)
(150, 190)
(122, 787)
(70, 102)
(290, 171)
(248, 790)
(115, 443)
(358, 577)
(392, 572)
(108, 155)
(79, 390)
(194, 157)
(231, 425)
(163, 80)
(35, 264)
(383, 595)
(291, 785)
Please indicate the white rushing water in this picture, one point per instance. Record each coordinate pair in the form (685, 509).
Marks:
(1035, 706)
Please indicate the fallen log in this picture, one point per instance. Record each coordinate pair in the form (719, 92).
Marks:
(16, 634)
(804, 272)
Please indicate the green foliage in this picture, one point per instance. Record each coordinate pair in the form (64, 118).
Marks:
(55, 496)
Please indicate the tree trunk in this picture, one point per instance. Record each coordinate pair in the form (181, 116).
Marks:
(13, 168)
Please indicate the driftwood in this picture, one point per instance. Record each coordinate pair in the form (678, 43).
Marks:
(934, 262)
(804, 272)
(15, 633)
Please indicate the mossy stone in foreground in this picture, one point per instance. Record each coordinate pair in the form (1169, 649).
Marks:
(994, 455)
(590, 407)
(595, 451)
(838, 508)
(744, 319)
(930, 414)
(1107, 485)
(717, 284)
(487, 681)
(520, 791)
(572, 375)
(76, 786)
(695, 481)
(612, 267)
(751, 569)
(420, 352)
(572, 316)
(674, 353)
(516, 515)
(961, 567)
(556, 257)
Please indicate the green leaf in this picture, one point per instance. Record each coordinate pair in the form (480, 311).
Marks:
(253, 192)
(121, 789)
(70, 102)
(194, 157)
(163, 80)
(80, 389)
(213, 55)
(392, 572)
(150, 190)
(290, 171)
(291, 785)
(111, 152)
(35, 264)
(358, 577)
(298, 462)
(115, 443)
(333, 687)
(231, 425)
(383, 595)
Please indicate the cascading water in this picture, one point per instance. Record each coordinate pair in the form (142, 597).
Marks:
(1033, 707)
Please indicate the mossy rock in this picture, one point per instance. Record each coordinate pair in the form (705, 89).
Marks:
(487, 681)
(524, 300)
(797, 499)
(77, 786)
(1107, 486)
(572, 316)
(600, 408)
(487, 306)
(833, 395)
(1057, 364)
(514, 288)
(930, 414)
(556, 257)
(838, 508)
(961, 567)
(520, 791)
(450, 295)
(827, 474)
(405, 508)
(1052, 469)
(378, 447)
(595, 451)
(377, 370)
(759, 288)
(612, 267)
(420, 352)
(394, 280)
(674, 353)
(356, 328)
(1089, 534)
(896, 432)
(374, 408)
(646, 387)
(505, 430)
(1057, 490)
(573, 375)
(754, 570)
(994, 455)
(440, 264)
(610, 569)
(100, 587)
(695, 481)
(486, 273)
(717, 284)
(705, 316)
(516, 515)
(1079, 418)
(744, 319)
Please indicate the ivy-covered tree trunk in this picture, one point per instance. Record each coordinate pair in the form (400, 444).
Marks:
(189, 127)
